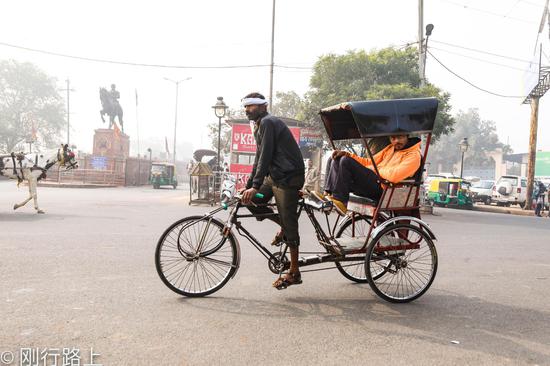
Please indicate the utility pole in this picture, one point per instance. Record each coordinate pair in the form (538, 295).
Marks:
(68, 90)
(532, 151)
(421, 42)
(177, 83)
(138, 150)
(272, 57)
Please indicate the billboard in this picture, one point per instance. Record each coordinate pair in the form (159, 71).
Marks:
(310, 137)
(242, 139)
(542, 164)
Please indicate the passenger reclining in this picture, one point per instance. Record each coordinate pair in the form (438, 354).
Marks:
(348, 172)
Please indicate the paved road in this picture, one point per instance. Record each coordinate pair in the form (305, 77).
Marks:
(83, 276)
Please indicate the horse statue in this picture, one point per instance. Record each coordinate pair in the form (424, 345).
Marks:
(33, 167)
(111, 107)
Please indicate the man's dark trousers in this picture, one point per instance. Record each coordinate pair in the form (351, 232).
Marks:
(286, 198)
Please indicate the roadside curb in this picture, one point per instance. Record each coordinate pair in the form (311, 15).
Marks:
(504, 210)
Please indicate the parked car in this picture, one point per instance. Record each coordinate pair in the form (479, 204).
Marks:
(510, 190)
(482, 191)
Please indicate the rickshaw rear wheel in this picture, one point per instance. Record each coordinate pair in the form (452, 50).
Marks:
(409, 272)
(355, 270)
(193, 258)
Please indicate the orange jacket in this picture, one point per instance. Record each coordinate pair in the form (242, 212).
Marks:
(393, 165)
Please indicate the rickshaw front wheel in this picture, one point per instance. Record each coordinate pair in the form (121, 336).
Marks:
(193, 258)
(408, 256)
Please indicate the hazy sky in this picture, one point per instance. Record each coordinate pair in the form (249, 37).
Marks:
(238, 32)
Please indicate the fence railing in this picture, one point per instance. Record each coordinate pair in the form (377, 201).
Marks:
(87, 176)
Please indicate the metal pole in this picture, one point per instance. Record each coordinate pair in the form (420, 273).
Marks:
(272, 57)
(532, 151)
(176, 121)
(217, 175)
(421, 42)
(461, 165)
(138, 151)
(68, 106)
(219, 138)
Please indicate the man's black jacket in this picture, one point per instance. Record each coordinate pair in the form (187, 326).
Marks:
(277, 153)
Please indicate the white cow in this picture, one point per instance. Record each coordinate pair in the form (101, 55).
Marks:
(33, 167)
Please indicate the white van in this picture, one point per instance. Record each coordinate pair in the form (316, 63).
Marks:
(510, 190)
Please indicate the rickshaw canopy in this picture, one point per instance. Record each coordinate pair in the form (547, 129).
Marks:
(366, 119)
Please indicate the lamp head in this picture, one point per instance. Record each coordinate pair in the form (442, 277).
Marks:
(464, 144)
(429, 29)
(220, 107)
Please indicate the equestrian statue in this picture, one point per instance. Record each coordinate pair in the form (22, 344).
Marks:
(33, 167)
(111, 106)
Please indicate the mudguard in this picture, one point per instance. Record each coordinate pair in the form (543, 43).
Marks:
(393, 220)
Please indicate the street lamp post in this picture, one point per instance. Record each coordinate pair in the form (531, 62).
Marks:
(463, 148)
(219, 110)
(176, 112)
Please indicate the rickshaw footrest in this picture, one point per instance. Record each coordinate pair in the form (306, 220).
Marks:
(315, 259)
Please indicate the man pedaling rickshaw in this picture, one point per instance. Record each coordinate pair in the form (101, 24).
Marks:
(348, 172)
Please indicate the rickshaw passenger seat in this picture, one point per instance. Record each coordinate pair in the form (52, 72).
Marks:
(362, 200)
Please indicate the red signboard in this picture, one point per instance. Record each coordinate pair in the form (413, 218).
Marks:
(242, 139)
(296, 133)
(240, 168)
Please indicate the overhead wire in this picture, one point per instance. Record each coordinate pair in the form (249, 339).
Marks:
(128, 63)
(477, 59)
(480, 51)
(470, 83)
(531, 3)
(489, 12)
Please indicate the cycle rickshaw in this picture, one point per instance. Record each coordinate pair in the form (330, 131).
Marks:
(383, 243)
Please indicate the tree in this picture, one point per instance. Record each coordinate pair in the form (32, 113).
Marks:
(288, 104)
(29, 102)
(482, 138)
(225, 137)
(384, 74)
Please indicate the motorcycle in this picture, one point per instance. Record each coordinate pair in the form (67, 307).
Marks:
(228, 190)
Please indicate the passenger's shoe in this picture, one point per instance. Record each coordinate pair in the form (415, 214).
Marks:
(339, 205)
(320, 196)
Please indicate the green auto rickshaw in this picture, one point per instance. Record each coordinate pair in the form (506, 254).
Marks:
(163, 174)
(450, 192)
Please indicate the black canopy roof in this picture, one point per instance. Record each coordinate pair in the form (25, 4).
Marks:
(352, 120)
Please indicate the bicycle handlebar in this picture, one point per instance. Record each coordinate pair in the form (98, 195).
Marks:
(239, 196)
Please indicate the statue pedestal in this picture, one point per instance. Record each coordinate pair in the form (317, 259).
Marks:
(111, 143)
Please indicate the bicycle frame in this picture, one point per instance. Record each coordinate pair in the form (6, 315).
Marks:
(333, 252)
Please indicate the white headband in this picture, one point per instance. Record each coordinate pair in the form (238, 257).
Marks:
(253, 101)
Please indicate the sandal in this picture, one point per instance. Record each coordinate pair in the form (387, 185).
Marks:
(288, 279)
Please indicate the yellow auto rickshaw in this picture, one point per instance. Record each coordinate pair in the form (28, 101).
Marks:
(450, 192)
